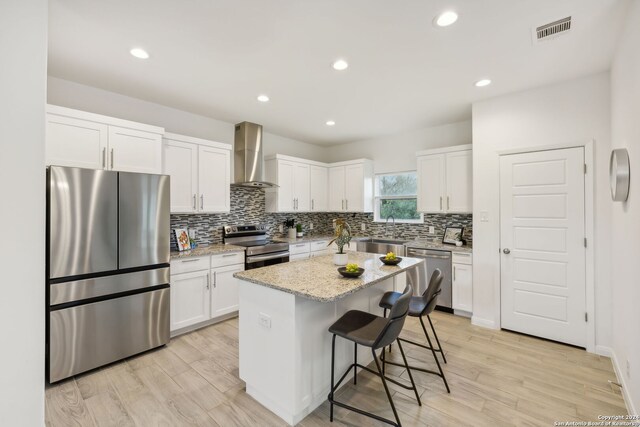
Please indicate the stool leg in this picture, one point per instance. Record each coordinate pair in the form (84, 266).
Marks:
(415, 390)
(355, 361)
(435, 356)
(386, 388)
(384, 349)
(437, 340)
(333, 356)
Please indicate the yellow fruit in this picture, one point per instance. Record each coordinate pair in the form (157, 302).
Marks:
(391, 256)
(352, 268)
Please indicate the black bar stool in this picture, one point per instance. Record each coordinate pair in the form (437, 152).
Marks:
(420, 307)
(374, 332)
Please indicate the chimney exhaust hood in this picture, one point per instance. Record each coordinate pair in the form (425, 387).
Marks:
(248, 162)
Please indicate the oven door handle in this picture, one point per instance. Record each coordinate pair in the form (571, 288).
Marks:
(258, 258)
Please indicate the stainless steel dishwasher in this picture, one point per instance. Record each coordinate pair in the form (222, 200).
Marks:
(435, 259)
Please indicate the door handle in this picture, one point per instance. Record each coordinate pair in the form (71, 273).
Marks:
(112, 158)
(506, 251)
(104, 158)
(202, 201)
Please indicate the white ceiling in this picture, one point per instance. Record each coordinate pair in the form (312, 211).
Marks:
(214, 57)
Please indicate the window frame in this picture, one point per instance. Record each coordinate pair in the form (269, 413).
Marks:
(377, 199)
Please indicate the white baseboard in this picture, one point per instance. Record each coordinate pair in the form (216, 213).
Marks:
(603, 350)
(622, 380)
(485, 323)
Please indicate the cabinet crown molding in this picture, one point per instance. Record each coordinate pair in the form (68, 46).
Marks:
(199, 141)
(442, 150)
(99, 118)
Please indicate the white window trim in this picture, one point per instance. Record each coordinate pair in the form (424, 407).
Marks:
(377, 198)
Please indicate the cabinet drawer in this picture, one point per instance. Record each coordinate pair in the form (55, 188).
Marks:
(229, 258)
(319, 246)
(299, 248)
(298, 257)
(462, 257)
(186, 265)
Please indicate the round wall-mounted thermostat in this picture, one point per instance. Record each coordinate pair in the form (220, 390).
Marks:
(619, 174)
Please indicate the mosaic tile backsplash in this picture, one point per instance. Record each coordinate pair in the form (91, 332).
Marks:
(248, 207)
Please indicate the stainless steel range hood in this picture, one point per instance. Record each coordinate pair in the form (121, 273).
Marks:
(248, 160)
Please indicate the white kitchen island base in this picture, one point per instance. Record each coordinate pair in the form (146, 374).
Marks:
(285, 346)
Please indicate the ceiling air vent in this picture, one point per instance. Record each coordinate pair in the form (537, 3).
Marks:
(552, 30)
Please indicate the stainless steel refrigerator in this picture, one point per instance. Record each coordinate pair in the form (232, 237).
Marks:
(107, 267)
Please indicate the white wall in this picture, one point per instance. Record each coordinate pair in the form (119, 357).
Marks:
(567, 112)
(23, 49)
(74, 95)
(385, 152)
(625, 217)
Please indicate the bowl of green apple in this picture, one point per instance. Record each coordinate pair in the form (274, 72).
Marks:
(351, 271)
(390, 259)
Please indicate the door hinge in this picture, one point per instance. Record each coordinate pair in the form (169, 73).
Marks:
(585, 242)
(586, 317)
(585, 168)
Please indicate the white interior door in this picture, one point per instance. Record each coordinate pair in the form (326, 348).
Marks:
(542, 221)
(214, 179)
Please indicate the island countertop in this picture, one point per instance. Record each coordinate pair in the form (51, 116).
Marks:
(318, 278)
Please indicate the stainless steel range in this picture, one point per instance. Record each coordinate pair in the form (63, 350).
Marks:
(260, 251)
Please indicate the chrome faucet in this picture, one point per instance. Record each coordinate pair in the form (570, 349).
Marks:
(386, 226)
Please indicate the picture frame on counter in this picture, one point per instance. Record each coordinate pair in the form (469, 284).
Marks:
(182, 239)
(452, 235)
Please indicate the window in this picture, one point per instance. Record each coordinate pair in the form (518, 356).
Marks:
(396, 194)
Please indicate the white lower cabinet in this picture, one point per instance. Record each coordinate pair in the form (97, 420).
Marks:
(224, 295)
(308, 250)
(203, 288)
(189, 299)
(298, 257)
(462, 287)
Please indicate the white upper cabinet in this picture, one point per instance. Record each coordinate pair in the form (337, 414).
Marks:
(336, 189)
(134, 151)
(180, 162)
(75, 142)
(200, 172)
(445, 180)
(214, 179)
(318, 188)
(351, 186)
(293, 179)
(86, 140)
(459, 181)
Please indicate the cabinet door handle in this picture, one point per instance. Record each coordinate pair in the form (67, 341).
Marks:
(228, 255)
(454, 273)
(112, 158)
(194, 202)
(104, 157)
(347, 203)
(448, 203)
(215, 279)
(191, 260)
(208, 283)
(202, 201)
(311, 204)
(342, 204)
(440, 202)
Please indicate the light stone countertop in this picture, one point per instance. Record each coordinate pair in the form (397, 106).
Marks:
(437, 245)
(318, 278)
(205, 250)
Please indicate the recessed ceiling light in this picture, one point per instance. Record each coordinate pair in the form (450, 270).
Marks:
(340, 65)
(330, 123)
(446, 18)
(483, 83)
(139, 53)
(263, 98)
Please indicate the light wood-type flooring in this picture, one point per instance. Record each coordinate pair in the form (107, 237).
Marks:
(496, 377)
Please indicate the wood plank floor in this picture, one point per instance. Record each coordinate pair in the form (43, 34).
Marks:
(496, 378)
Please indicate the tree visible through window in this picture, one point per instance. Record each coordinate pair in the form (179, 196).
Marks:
(396, 196)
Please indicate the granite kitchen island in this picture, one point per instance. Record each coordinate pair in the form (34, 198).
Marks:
(285, 311)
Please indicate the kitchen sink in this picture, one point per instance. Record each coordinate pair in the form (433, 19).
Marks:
(382, 246)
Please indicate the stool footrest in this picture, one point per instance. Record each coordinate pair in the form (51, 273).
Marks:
(420, 345)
